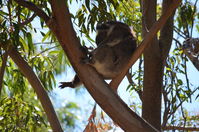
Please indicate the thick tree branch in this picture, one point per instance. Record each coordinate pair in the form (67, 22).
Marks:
(146, 41)
(97, 87)
(38, 87)
(34, 8)
(166, 33)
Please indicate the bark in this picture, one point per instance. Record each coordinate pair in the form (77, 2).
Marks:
(154, 61)
(166, 33)
(151, 99)
(61, 25)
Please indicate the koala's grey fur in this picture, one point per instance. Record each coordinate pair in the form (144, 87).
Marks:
(115, 45)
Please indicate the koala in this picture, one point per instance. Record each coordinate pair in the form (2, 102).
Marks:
(115, 46)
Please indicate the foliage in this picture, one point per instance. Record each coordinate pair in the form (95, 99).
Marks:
(19, 116)
(67, 115)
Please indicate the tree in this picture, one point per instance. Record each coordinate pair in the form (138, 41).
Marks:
(16, 42)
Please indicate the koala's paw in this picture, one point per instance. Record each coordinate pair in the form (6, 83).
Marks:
(66, 84)
(87, 60)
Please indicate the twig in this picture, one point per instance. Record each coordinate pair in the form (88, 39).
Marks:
(28, 20)
(181, 128)
(34, 8)
(179, 32)
(194, 11)
(139, 91)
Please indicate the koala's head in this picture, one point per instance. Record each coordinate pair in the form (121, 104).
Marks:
(111, 30)
(102, 31)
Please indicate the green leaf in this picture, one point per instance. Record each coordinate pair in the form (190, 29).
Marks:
(46, 36)
(87, 4)
(180, 82)
(30, 42)
(168, 69)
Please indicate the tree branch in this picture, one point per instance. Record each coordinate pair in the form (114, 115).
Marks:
(2, 69)
(97, 87)
(180, 128)
(146, 41)
(166, 33)
(28, 20)
(34, 8)
(38, 87)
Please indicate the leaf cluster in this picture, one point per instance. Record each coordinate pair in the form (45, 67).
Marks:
(19, 116)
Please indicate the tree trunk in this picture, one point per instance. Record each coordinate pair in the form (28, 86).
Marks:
(151, 105)
(154, 61)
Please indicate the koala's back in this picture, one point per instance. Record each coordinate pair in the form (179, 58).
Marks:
(109, 61)
(123, 53)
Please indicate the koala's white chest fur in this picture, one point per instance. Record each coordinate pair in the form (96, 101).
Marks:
(104, 70)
